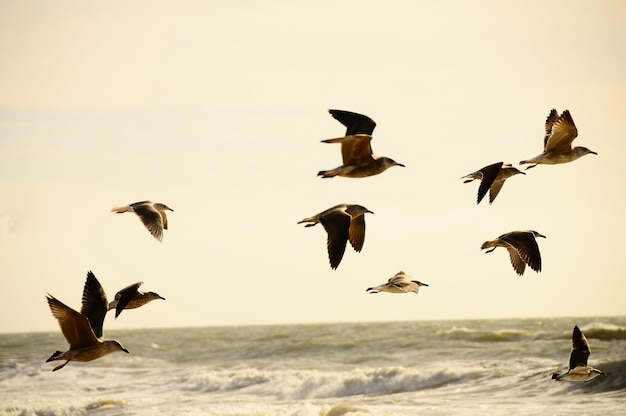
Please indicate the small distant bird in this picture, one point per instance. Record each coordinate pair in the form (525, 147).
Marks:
(356, 149)
(400, 283)
(578, 368)
(522, 248)
(130, 297)
(557, 144)
(83, 331)
(152, 214)
(492, 178)
(342, 223)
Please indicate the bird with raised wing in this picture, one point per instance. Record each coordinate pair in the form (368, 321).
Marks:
(400, 283)
(557, 143)
(83, 331)
(578, 368)
(491, 178)
(522, 247)
(343, 223)
(356, 149)
(151, 214)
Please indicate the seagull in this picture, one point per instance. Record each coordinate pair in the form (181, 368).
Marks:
(578, 368)
(356, 149)
(492, 178)
(400, 283)
(83, 331)
(342, 223)
(152, 214)
(130, 297)
(560, 133)
(522, 248)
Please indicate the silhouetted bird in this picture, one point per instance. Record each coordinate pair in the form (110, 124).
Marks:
(343, 223)
(557, 144)
(83, 331)
(400, 283)
(152, 214)
(522, 248)
(492, 178)
(356, 149)
(578, 368)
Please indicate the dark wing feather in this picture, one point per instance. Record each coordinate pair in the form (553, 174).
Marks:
(124, 296)
(74, 326)
(357, 232)
(495, 190)
(552, 117)
(526, 245)
(355, 123)
(516, 261)
(580, 349)
(563, 133)
(489, 175)
(95, 305)
(336, 225)
(151, 218)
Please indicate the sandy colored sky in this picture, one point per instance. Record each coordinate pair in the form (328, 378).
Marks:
(217, 109)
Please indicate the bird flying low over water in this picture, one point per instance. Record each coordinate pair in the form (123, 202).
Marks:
(557, 144)
(130, 297)
(83, 331)
(578, 368)
(492, 178)
(343, 223)
(400, 283)
(522, 248)
(356, 149)
(152, 214)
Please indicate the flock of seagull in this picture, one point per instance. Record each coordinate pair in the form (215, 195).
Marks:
(343, 223)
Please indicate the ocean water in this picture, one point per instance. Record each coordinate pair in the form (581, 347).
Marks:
(481, 367)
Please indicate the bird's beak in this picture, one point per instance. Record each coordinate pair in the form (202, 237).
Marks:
(541, 235)
(370, 211)
(161, 297)
(593, 153)
(523, 173)
(400, 164)
(125, 350)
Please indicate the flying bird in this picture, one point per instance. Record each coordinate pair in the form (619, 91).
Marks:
(522, 247)
(557, 144)
(492, 178)
(152, 214)
(131, 297)
(83, 331)
(343, 223)
(578, 368)
(356, 149)
(400, 283)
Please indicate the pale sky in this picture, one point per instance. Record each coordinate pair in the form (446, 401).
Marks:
(217, 109)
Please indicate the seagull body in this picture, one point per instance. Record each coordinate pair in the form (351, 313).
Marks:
(522, 247)
(83, 331)
(343, 223)
(400, 283)
(491, 178)
(578, 368)
(130, 298)
(151, 214)
(356, 149)
(557, 144)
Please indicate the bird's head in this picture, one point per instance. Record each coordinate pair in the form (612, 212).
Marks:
(582, 151)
